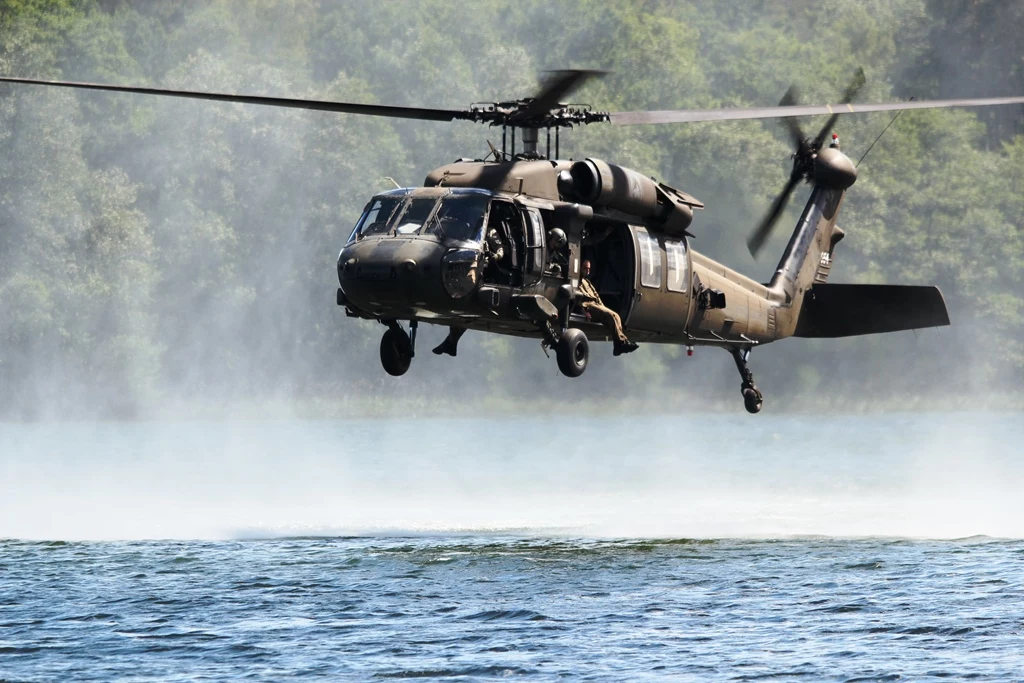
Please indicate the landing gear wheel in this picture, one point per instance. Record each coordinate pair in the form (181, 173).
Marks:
(752, 400)
(395, 352)
(572, 352)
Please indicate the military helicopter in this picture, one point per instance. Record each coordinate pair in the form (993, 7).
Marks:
(503, 244)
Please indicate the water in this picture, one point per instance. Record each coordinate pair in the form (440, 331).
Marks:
(676, 548)
(484, 606)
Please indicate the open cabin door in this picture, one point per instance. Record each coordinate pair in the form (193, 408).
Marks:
(613, 270)
(520, 233)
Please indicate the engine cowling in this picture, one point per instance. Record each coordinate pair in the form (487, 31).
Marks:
(602, 184)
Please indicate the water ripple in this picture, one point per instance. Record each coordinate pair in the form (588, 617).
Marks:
(489, 607)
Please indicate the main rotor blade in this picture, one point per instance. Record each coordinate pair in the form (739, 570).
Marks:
(632, 118)
(560, 84)
(764, 229)
(851, 92)
(316, 105)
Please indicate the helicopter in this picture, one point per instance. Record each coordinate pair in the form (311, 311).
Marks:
(507, 243)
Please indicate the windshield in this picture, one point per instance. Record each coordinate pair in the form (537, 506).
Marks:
(461, 217)
(458, 216)
(415, 215)
(374, 220)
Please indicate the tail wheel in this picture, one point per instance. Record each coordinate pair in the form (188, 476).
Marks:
(573, 352)
(752, 400)
(395, 352)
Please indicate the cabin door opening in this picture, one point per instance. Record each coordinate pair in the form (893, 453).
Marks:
(506, 245)
(609, 248)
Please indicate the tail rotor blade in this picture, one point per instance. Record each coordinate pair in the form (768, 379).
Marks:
(764, 229)
(859, 79)
(851, 92)
(796, 133)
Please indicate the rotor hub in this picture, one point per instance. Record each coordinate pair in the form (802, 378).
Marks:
(524, 114)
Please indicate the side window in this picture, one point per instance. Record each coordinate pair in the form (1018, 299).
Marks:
(535, 234)
(675, 254)
(650, 260)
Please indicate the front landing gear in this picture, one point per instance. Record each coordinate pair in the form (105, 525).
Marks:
(572, 350)
(397, 348)
(752, 398)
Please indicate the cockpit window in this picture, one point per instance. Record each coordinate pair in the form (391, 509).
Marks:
(461, 217)
(457, 216)
(415, 215)
(374, 220)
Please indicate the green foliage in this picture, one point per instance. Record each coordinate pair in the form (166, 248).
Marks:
(153, 248)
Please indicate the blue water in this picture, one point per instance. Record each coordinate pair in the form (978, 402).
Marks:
(493, 606)
(694, 548)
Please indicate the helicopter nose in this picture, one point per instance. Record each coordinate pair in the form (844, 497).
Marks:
(383, 275)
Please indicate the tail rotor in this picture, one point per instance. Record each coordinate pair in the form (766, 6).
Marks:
(806, 149)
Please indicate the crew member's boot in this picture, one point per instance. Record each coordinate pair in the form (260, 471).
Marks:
(450, 345)
(624, 346)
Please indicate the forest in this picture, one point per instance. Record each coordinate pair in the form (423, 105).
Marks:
(171, 257)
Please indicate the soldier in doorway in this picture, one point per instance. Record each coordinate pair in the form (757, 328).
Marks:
(495, 245)
(598, 312)
(558, 261)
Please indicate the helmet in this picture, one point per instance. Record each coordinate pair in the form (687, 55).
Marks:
(557, 238)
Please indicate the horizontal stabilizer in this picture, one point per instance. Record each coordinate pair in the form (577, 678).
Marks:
(833, 310)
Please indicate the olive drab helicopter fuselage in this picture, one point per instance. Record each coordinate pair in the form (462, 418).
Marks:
(499, 245)
(420, 254)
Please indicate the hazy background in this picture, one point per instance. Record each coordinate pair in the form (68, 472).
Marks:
(682, 476)
(162, 257)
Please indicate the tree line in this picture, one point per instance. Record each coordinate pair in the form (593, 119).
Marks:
(158, 252)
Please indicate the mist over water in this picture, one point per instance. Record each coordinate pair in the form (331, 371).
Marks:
(688, 476)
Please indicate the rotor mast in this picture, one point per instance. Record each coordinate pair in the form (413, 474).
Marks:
(530, 137)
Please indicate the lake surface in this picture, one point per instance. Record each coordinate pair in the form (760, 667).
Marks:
(708, 547)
